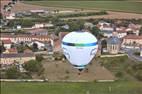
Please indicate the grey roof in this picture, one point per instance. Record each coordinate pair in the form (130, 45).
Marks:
(113, 40)
(16, 55)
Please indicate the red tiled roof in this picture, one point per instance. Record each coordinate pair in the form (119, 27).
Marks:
(62, 34)
(25, 35)
(17, 55)
(37, 30)
(12, 50)
(121, 31)
(8, 41)
(133, 37)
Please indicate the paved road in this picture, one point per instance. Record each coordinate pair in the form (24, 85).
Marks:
(131, 55)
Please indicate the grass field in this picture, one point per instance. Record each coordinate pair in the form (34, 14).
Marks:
(125, 6)
(71, 88)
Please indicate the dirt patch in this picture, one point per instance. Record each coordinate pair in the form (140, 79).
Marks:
(59, 70)
(111, 15)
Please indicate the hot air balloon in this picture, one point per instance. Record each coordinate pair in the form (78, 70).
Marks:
(79, 48)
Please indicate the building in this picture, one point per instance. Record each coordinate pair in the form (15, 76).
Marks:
(113, 45)
(7, 43)
(42, 25)
(7, 59)
(24, 38)
(37, 11)
(11, 51)
(121, 33)
(40, 44)
(107, 33)
(132, 40)
(38, 32)
(10, 16)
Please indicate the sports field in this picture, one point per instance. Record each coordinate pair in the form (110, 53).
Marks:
(71, 88)
(125, 6)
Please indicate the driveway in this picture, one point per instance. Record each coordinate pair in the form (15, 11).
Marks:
(130, 52)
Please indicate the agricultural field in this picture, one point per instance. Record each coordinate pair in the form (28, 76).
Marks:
(71, 88)
(124, 6)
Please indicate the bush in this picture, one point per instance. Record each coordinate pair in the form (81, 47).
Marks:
(137, 53)
(119, 74)
(33, 66)
(138, 75)
(12, 73)
(39, 58)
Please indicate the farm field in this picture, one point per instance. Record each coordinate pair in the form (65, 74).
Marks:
(124, 6)
(71, 88)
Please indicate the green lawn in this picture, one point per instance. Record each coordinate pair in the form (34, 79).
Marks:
(71, 88)
(126, 6)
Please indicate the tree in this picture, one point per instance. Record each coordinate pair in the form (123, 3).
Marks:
(2, 48)
(139, 75)
(12, 73)
(140, 33)
(35, 47)
(1, 17)
(97, 32)
(76, 25)
(104, 43)
(33, 66)
(5, 6)
(39, 58)
(21, 47)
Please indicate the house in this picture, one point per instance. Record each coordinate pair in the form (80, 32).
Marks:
(11, 51)
(106, 28)
(40, 44)
(42, 25)
(88, 25)
(24, 38)
(38, 25)
(10, 16)
(38, 31)
(37, 11)
(132, 40)
(134, 28)
(113, 45)
(107, 33)
(7, 43)
(48, 25)
(103, 22)
(121, 33)
(8, 59)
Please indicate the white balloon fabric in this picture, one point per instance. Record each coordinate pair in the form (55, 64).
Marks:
(79, 48)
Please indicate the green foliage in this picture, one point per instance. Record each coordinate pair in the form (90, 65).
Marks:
(140, 33)
(33, 66)
(136, 70)
(39, 58)
(35, 47)
(22, 22)
(12, 73)
(2, 48)
(104, 43)
(21, 48)
(97, 32)
(118, 87)
(137, 53)
(76, 25)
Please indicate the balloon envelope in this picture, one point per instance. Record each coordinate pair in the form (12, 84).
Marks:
(79, 48)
